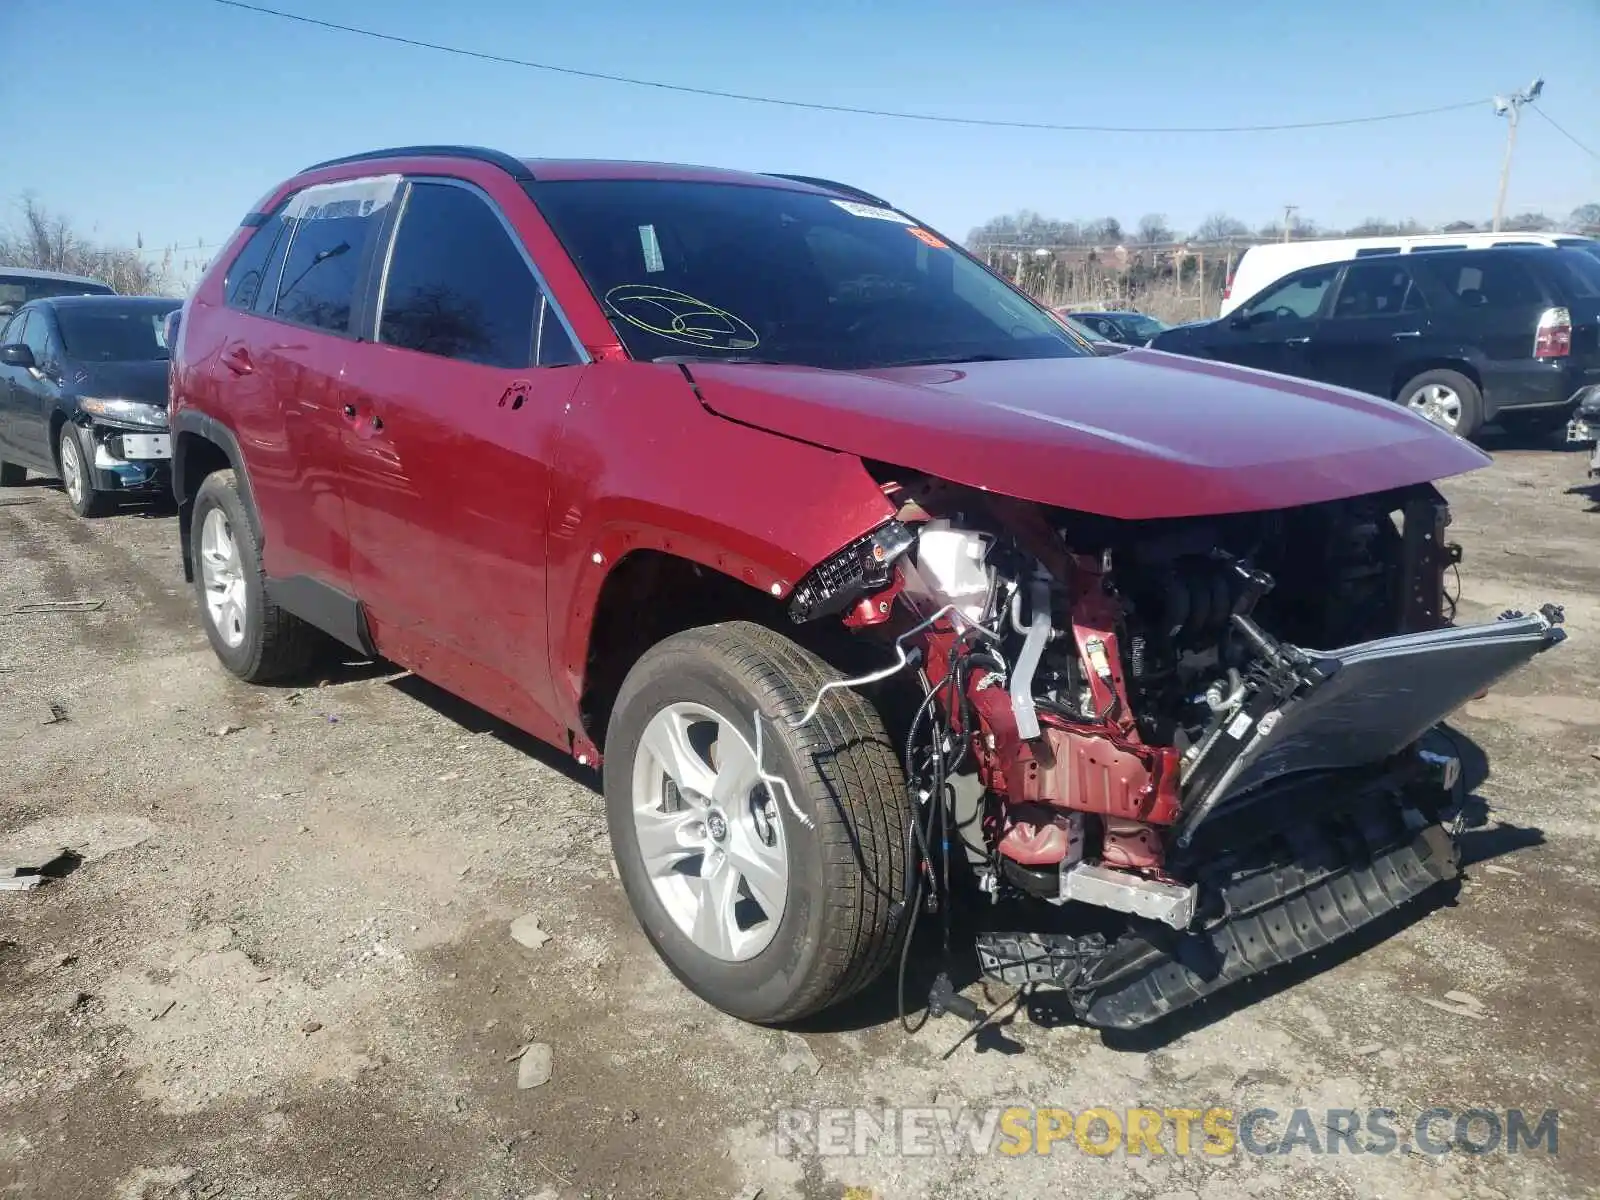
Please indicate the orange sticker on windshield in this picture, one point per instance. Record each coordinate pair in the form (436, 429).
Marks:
(922, 235)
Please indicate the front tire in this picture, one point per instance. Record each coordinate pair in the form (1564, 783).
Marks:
(77, 476)
(1447, 398)
(255, 639)
(764, 915)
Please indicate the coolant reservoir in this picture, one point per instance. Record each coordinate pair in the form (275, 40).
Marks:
(951, 564)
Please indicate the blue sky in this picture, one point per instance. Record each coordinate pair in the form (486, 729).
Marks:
(168, 118)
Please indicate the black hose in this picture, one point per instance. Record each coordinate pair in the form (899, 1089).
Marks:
(916, 839)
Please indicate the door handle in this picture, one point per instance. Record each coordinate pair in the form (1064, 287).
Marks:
(237, 360)
(1299, 341)
(1406, 333)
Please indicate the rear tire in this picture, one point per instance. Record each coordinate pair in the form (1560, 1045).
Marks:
(12, 474)
(77, 475)
(842, 869)
(255, 639)
(1447, 398)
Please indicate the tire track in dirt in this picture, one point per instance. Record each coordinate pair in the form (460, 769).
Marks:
(61, 581)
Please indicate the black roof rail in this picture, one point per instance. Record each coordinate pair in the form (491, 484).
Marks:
(830, 185)
(514, 167)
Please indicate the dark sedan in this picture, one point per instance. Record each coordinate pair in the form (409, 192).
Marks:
(83, 396)
(1128, 328)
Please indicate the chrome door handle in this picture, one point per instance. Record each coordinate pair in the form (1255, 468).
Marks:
(1406, 333)
(1300, 341)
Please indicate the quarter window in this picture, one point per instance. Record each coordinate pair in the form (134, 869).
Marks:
(1488, 281)
(458, 286)
(332, 224)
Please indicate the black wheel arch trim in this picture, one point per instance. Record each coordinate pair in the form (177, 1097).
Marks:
(197, 425)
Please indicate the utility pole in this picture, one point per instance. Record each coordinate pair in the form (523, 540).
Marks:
(1289, 211)
(1510, 107)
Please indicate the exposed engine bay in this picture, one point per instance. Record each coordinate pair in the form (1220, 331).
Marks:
(1129, 717)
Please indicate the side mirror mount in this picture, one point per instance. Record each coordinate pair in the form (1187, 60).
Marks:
(17, 355)
(1238, 320)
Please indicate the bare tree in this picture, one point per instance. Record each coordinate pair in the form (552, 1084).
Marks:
(1585, 218)
(1528, 222)
(1219, 227)
(1154, 230)
(48, 241)
(1460, 227)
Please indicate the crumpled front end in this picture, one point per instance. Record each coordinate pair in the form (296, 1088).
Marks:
(1127, 721)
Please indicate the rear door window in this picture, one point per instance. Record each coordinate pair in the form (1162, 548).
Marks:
(459, 286)
(333, 225)
(1376, 289)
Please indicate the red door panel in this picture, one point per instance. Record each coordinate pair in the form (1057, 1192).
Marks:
(447, 490)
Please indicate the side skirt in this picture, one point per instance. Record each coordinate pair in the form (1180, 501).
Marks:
(337, 614)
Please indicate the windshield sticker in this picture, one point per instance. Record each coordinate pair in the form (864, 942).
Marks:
(873, 211)
(651, 246)
(680, 318)
(923, 236)
(347, 198)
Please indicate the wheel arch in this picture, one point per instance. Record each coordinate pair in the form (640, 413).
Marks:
(1461, 364)
(657, 585)
(202, 446)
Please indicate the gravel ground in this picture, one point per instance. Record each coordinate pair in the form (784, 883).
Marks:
(283, 964)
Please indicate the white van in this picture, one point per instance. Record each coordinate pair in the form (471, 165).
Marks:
(1263, 265)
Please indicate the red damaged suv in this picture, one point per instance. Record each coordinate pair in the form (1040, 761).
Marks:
(870, 589)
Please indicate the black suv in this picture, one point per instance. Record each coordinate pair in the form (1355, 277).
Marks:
(1507, 334)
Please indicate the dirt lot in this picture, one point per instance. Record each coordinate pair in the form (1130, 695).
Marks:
(283, 965)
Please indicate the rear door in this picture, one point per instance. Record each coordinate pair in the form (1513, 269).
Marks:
(297, 287)
(454, 411)
(1272, 330)
(1378, 319)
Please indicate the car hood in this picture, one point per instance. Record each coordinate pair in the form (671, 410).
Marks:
(1135, 436)
(145, 382)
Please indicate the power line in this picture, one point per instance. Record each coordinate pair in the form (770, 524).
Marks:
(1564, 133)
(816, 106)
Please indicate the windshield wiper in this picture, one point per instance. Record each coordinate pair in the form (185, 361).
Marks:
(713, 358)
(945, 360)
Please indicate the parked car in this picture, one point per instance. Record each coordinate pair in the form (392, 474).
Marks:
(682, 469)
(18, 285)
(1262, 265)
(1584, 428)
(1128, 328)
(1100, 344)
(83, 396)
(1461, 337)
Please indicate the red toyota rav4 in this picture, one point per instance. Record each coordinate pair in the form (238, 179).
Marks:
(876, 590)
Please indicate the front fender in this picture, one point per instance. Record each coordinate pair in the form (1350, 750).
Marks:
(642, 465)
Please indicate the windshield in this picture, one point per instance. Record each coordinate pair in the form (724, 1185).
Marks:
(1140, 326)
(733, 272)
(136, 334)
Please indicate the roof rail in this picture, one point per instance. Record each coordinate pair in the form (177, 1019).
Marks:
(830, 185)
(514, 167)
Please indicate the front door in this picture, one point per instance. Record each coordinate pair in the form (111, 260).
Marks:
(35, 390)
(453, 418)
(1377, 321)
(1272, 330)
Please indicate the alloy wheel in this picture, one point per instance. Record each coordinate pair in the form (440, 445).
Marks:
(709, 832)
(222, 575)
(1439, 404)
